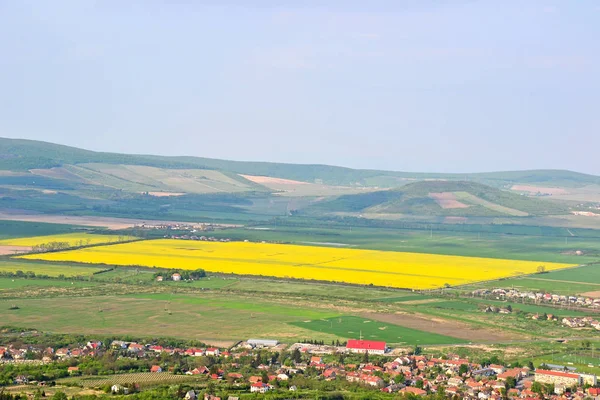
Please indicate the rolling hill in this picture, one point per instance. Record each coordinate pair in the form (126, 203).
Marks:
(51, 178)
(22, 156)
(443, 198)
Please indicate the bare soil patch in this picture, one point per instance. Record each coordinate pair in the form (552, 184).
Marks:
(447, 200)
(594, 294)
(271, 180)
(539, 189)
(4, 250)
(441, 326)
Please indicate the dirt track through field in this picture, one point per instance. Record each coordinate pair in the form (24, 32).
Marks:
(441, 326)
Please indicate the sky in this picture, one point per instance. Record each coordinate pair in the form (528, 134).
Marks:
(407, 85)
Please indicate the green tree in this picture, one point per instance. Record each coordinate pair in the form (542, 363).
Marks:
(463, 369)
(537, 387)
(264, 377)
(59, 396)
(511, 382)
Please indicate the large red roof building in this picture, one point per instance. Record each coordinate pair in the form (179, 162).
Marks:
(363, 346)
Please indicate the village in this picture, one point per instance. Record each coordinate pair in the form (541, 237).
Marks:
(259, 366)
(538, 297)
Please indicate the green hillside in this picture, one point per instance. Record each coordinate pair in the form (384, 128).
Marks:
(443, 198)
(23, 155)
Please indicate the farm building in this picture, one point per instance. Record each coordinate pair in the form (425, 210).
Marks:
(176, 276)
(364, 346)
(262, 342)
(556, 377)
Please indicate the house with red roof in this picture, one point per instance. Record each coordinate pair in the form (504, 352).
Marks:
(259, 387)
(366, 346)
(156, 368)
(414, 390)
(212, 351)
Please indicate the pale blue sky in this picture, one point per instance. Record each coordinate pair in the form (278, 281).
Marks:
(417, 85)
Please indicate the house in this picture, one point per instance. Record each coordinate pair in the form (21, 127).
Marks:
(254, 379)
(329, 373)
(414, 391)
(316, 360)
(72, 370)
(366, 346)
(21, 380)
(159, 278)
(62, 353)
(373, 380)
(118, 389)
(156, 368)
(190, 395)
(516, 373)
(135, 348)
(556, 377)
(176, 276)
(212, 351)
(498, 369)
(262, 343)
(118, 344)
(594, 391)
(259, 387)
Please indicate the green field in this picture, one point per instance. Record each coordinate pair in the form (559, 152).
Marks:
(48, 269)
(476, 304)
(583, 361)
(19, 229)
(572, 281)
(350, 327)
(21, 283)
(212, 318)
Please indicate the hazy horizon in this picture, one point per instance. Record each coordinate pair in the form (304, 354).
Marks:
(418, 86)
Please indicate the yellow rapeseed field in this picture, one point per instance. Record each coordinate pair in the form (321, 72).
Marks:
(381, 268)
(74, 239)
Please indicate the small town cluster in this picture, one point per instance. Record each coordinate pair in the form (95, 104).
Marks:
(369, 364)
(538, 297)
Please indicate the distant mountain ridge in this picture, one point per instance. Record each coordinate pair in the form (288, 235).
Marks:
(20, 155)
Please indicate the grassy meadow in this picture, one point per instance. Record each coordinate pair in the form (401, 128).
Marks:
(48, 269)
(351, 327)
(364, 267)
